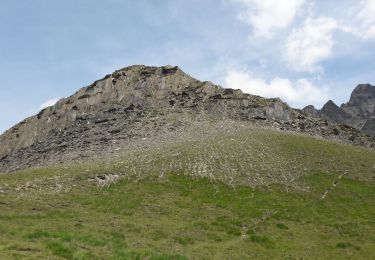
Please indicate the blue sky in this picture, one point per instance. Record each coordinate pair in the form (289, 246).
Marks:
(304, 51)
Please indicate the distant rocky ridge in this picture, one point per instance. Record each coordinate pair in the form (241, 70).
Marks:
(359, 112)
(147, 102)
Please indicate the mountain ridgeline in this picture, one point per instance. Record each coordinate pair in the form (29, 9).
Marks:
(359, 112)
(140, 102)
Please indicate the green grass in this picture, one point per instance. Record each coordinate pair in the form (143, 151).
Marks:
(281, 226)
(252, 194)
(181, 216)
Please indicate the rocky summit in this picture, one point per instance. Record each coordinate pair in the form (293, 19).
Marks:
(140, 102)
(359, 112)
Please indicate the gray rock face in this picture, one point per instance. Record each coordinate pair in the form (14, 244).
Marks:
(311, 111)
(369, 127)
(141, 101)
(361, 105)
(331, 111)
(139, 88)
(359, 112)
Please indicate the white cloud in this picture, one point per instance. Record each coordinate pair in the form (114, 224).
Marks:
(299, 93)
(49, 103)
(366, 20)
(269, 16)
(311, 44)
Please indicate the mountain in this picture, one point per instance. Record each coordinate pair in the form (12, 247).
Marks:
(145, 102)
(128, 95)
(361, 105)
(150, 163)
(220, 189)
(359, 112)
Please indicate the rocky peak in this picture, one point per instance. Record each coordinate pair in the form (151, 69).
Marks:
(311, 111)
(362, 102)
(330, 105)
(359, 112)
(362, 91)
(332, 112)
(139, 88)
(145, 71)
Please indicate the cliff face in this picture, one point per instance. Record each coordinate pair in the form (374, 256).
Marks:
(359, 112)
(361, 105)
(331, 111)
(140, 101)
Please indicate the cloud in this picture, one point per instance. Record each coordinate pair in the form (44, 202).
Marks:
(49, 103)
(269, 16)
(306, 47)
(366, 20)
(299, 93)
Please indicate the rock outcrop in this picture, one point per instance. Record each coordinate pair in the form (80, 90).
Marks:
(311, 111)
(359, 112)
(331, 111)
(141, 101)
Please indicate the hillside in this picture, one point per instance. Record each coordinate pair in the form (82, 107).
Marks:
(147, 102)
(150, 163)
(236, 191)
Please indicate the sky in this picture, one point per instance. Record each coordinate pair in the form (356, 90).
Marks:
(303, 51)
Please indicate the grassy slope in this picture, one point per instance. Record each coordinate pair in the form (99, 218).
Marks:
(249, 193)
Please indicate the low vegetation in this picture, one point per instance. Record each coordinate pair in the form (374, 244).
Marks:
(253, 193)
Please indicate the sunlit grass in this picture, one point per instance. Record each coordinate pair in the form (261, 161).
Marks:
(252, 194)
